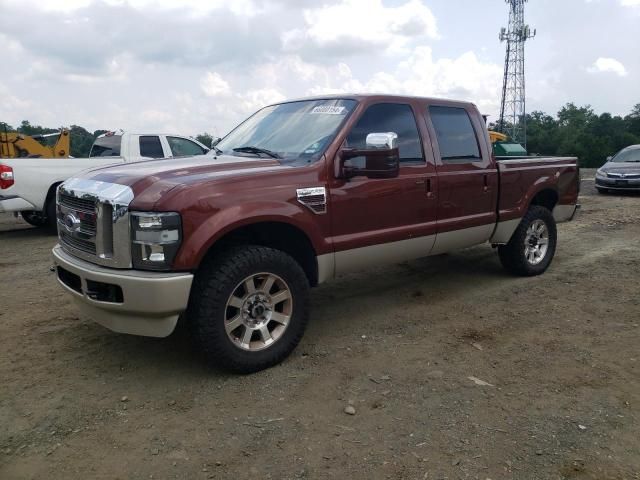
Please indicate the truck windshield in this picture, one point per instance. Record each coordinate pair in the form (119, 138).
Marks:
(631, 155)
(290, 131)
(106, 147)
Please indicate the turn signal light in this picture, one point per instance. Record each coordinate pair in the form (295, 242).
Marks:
(6, 177)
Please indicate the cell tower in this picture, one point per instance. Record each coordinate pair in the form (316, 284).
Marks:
(513, 107)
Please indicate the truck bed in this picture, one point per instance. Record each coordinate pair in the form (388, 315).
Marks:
(521, 177)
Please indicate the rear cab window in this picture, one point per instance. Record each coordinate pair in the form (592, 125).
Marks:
(457, 139)
(151, 147)
(106, 146)
(182, 147)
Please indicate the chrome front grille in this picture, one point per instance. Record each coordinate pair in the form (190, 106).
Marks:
(77, 222)
(93, 221)
(78, 204)
(87, 246)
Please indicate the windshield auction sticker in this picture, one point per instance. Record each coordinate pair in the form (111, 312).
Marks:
(328, 110)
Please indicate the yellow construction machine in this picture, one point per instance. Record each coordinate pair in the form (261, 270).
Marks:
(497, 137)
(16, 145)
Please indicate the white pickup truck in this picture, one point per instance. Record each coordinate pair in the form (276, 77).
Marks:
(28, 185)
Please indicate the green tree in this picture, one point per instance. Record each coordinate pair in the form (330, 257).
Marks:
(28, 129)
(205, 138)
(5, 127)
(542, 131)
(633, 121)
(81, 141)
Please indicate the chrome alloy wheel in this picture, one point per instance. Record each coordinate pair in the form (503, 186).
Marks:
(258, 311)
(536, 242)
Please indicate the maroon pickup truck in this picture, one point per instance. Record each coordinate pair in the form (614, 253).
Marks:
(298, 193)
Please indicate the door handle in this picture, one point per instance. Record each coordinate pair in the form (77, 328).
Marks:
(428, 187)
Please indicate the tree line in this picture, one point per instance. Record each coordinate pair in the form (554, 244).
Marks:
(579, 131)
(574, 131)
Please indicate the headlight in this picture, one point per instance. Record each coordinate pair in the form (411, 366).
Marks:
(156, 238)
(600, 173)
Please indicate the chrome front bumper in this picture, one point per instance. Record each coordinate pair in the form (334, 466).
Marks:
(125, 301)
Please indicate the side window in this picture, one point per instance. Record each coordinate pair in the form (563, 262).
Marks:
(181, 147)
(389, 117)
(456, 137)
(151, 147)
(106, 146)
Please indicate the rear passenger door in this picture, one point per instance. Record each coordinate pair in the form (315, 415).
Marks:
(467, 177)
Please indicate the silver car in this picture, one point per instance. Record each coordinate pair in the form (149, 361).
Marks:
(621, 172)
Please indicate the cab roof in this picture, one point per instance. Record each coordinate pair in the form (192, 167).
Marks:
(380, 97)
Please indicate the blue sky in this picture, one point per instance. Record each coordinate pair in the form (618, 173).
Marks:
(204, 65)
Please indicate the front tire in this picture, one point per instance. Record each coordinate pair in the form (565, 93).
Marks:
(533, 244)
(249, 308)
(602, 190)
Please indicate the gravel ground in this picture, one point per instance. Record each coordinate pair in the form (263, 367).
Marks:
(453, 370)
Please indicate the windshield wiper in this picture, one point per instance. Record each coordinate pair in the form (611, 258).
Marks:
(250, 149)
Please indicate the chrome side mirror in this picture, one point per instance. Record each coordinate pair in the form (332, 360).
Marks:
(381, 157)
(382, 141)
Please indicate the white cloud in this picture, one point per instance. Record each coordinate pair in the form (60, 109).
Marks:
(608, 65)
(630, 3)
(240, 7)
(213, 85)
(255, 99)
(361, 25)
(465, 78)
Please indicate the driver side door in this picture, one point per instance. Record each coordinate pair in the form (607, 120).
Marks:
(382, 221)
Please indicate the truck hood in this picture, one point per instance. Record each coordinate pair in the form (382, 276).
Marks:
(151, 179)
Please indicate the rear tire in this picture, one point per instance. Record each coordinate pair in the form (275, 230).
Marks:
(51, 218)
(533, 244)
(37, 219)
(248, 309)
(46, 219)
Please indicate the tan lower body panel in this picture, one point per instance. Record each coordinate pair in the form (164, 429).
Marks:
(356, 259)
(331, 265)
(457, 239)
(382, 254)
(504, 231)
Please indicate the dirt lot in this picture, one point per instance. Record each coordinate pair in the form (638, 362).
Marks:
(560, 353)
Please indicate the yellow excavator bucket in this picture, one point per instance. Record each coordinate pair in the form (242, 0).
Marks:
(15, 145)
(497, 137)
